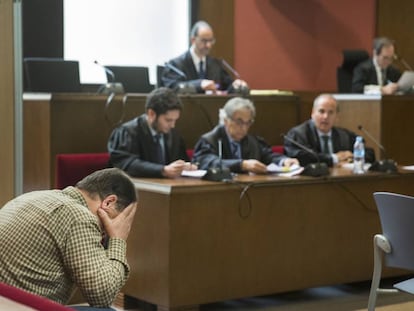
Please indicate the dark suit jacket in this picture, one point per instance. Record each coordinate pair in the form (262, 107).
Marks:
(365, 74)
(307, 135)
(132, 148)
(184, 62)
(252, 147)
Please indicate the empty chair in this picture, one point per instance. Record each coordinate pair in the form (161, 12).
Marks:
(345, 72)
(72, 167)
(395, 244)
(133, 78)
(51, 75)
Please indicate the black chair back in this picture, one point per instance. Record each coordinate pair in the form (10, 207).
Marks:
(344, 73)
(51, 75)
(134, 79)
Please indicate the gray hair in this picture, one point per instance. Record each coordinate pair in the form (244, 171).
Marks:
(233, 105)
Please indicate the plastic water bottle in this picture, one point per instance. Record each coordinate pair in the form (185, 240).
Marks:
(359, 156)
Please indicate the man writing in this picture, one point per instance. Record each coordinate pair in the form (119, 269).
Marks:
(242, 152)
(377, 74)
(52, 240)
(149, 146)
(199, 70)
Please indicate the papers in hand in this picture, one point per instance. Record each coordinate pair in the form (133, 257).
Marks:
(406, 82)
(284, 170)
(194, 173)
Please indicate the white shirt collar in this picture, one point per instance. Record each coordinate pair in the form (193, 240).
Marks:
(379, 72)
(196, 59)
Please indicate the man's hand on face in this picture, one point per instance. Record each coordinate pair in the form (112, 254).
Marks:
(120, 225)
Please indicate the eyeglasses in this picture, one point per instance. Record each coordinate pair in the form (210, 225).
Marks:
(205, 41)
(241, 123)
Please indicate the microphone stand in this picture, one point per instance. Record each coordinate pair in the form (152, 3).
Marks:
(218, 173)
(242, 90)
(111, 86)
(182, 87)
(312, 169)
(385, 165)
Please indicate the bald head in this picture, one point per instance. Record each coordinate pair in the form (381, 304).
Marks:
(202, 38)
(324, 112)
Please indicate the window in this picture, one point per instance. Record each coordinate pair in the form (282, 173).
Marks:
(124, 32)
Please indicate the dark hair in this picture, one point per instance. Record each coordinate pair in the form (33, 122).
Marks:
(110, 181)
(380, 42)
(197, 26)
(162, 100)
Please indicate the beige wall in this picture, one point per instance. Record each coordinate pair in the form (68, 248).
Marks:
(6, 102)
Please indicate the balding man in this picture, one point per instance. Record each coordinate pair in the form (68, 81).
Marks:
(333, 145)
(199, 70)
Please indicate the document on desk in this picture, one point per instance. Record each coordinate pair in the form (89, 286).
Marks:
(285, 171)
(408, 167)
(350, 166)
(195, 173)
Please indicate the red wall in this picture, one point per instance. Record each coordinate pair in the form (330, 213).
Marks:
(297, 44)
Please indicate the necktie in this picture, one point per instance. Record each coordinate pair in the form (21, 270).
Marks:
(159, 153)
(235, 150)
(384, 76)
(201, 72)
(325, 144)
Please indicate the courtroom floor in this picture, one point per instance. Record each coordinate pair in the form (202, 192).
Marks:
(349, 297)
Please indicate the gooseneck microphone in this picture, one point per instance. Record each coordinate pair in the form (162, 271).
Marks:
(381, 147)
(403, 62)
(219, 173)
(242, 90)
(231, 69)
(176, 70)
(107, 70)
(383, 165)
(182, 87)
(313, 169)
(111, 86)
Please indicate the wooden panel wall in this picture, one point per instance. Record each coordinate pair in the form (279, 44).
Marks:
(220, 15)
(395, 20)
(6, 101)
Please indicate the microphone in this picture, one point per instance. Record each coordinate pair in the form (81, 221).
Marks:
(107, 70)
(402, 61)
(229, 68)
(385, 165)
(242, 90)
(313, 169)
(176, 70)
(182, 87)
(111, 86)
(221, 173)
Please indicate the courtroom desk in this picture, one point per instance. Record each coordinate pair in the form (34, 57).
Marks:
(359, 109)
(389, 119)
(81, 123)
(195, 242)
(397, 128)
